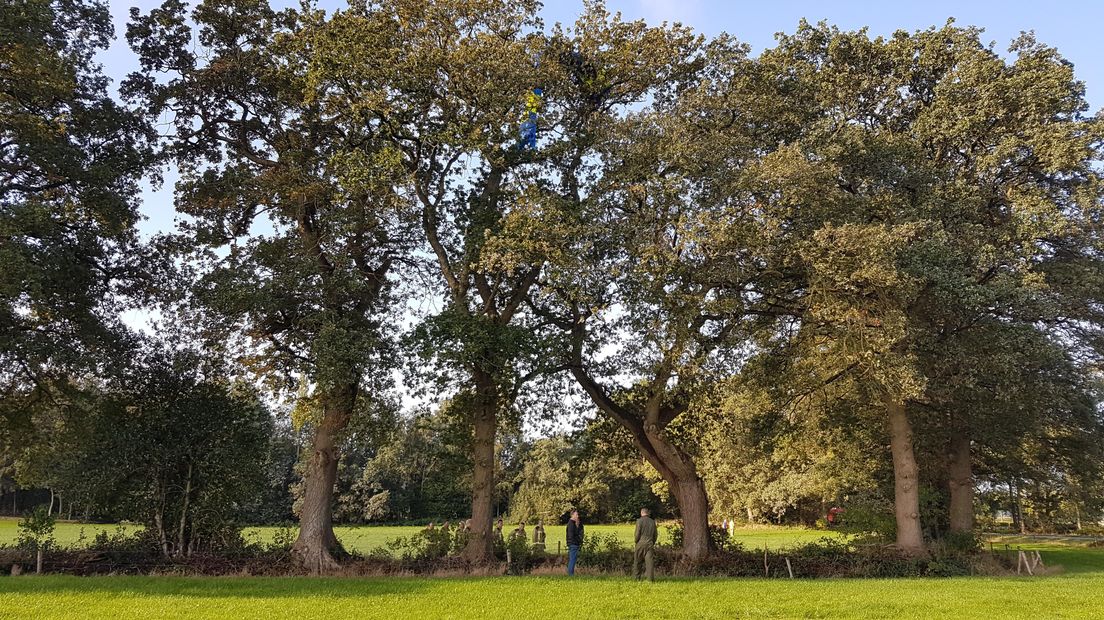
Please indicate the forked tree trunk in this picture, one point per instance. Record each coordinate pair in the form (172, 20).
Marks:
(906, 476)
(484, 427)
(674, 464)
(317, 545)
(961, 482)
(688, 489)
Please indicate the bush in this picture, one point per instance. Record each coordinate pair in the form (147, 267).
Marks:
(36, 530)
(965, 542)
(424, 546)
(870, 517)
(606, 553)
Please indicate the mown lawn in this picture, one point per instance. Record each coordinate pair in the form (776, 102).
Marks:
(1076, 595)
(1074, 590)
(363, 539)
(67, 533)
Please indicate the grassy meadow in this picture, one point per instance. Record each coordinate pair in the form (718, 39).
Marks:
(363, 539)
(1077, 593)
(1072, 588)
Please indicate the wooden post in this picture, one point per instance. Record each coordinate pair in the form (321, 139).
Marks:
(38, 562)
(557, 547)
(766, 567)
(789, 568)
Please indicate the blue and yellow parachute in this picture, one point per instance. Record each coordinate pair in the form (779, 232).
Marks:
(528, 130)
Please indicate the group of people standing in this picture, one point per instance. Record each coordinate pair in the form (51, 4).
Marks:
(645, 536)
(644, 539)
(520, 534)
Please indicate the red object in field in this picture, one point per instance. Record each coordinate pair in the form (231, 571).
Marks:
(834, 515)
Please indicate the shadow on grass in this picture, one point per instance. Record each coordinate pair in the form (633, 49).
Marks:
(216, 587)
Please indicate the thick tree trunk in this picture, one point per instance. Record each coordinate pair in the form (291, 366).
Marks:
(317, 545)
(681, 474)
(675, 465)
(961, 482)
(484, 423)
(693, 505)
(906, 476)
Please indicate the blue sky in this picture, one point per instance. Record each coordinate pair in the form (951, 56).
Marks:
(1072, 27)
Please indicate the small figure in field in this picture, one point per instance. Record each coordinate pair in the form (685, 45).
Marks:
(645, 538)
(519, 532)
(538, 534)
(446, 526)
(497, 533)
(574, 540)
(430, 527)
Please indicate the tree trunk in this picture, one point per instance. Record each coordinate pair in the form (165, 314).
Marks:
(681, 474)
(1019, 509)
(961, 482)
(38, 561)
(906, 492)
(317, 545)
(159, 522)
(693, 505)
(50, 510)
(1012, 505)
(181, 546)
(674, 464)
(484, 423)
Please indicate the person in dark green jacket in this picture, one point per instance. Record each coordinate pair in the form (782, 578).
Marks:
(646, 535)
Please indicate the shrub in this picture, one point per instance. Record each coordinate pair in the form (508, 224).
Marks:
(424, 546)
(870, 517)
(966, 542)
(606, 553)
(36, 530)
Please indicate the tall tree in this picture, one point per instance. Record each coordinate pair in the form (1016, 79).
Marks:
(958, 189)
(290, 208)
(460, 78)
(70, 162)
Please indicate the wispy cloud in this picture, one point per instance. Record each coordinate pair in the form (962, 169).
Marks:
(685, 11)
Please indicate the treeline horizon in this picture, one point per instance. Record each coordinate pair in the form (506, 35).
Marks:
(847, 271)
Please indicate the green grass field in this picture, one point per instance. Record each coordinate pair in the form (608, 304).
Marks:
(1077, 594)
(363, 539)
(1074, 588)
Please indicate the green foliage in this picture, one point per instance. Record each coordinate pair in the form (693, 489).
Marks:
(72, 161)
(36, 530)
(427, 545)
(171, 447)
(870, 515)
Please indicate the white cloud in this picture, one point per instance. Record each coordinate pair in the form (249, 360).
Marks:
(685, 11)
